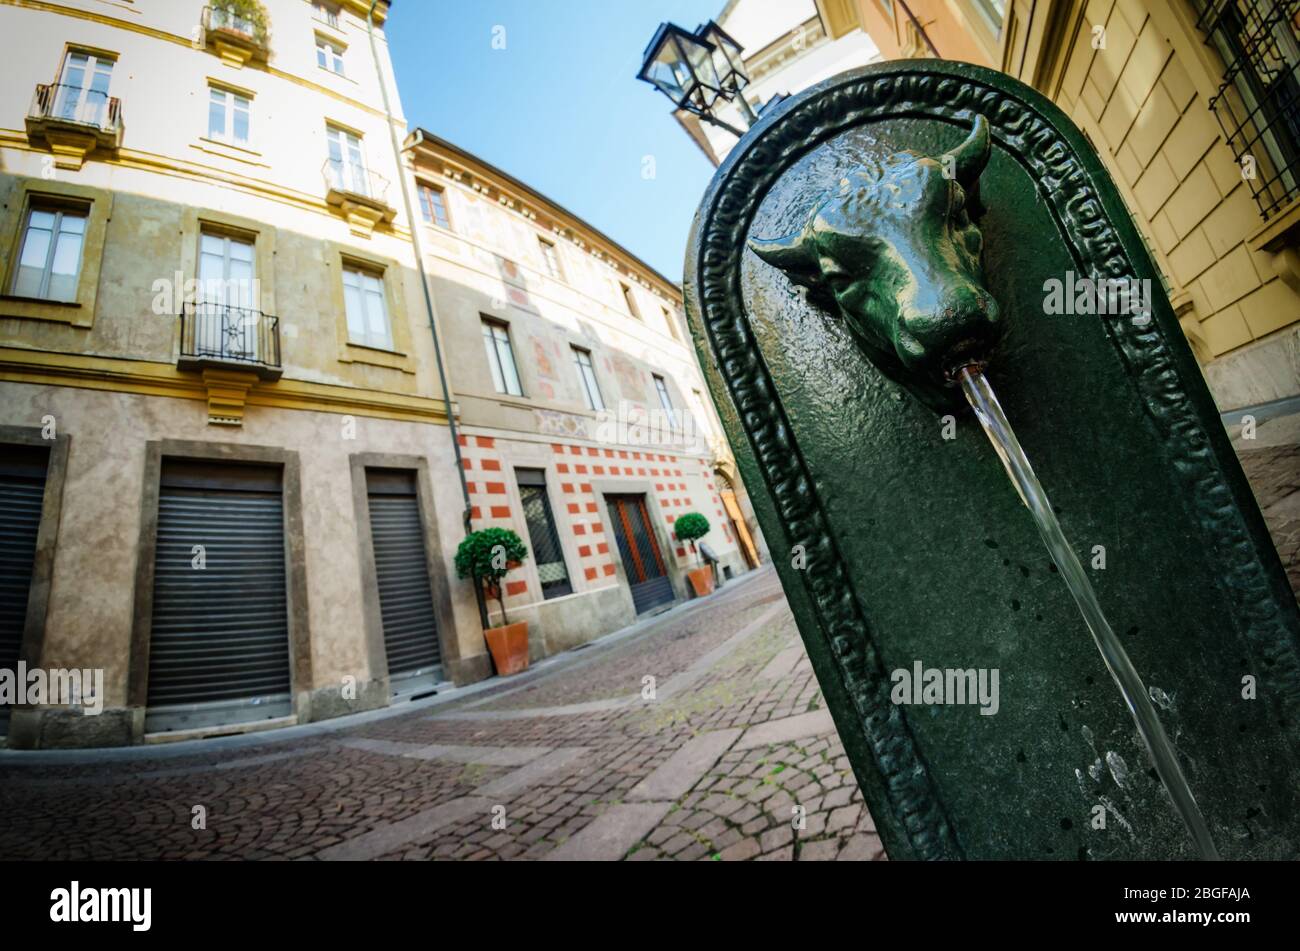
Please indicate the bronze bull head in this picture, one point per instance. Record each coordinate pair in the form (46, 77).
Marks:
(893, 250)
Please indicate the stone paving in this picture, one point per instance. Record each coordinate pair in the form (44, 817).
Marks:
(1274, 474)
(726, 754)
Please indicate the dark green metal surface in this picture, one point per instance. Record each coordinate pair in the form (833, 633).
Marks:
(917, 548)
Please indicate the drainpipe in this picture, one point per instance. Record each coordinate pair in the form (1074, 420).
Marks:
(424, 286)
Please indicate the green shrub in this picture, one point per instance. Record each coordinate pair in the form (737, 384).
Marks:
(689, 527)
(247, 10)
(486, 556)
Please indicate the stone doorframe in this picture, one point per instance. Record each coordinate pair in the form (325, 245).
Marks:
(436, 566)
(300, 677)
(600, 488)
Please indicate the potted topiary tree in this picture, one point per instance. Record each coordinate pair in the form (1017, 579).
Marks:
(689, 528)
(486, 556)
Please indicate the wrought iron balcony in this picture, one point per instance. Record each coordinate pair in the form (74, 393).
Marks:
(234, 35)
(74, 118)
(215, 335)
(360, 194)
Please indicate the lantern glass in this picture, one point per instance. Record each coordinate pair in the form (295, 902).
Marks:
(728, 59)
(680, 65)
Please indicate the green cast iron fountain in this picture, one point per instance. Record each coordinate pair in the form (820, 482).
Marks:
(877, 285)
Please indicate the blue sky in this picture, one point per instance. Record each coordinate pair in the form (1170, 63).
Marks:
(560, 107)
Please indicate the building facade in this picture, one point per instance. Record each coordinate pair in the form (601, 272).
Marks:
(1191, 104)
(584, 421)
(228, 475)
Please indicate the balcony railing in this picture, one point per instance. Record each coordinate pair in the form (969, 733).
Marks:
(220, 335)
(355, 181)
(229, 20)
(77, 106)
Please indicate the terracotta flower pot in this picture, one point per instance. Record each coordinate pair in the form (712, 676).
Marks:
(701, 581)
(509, 647)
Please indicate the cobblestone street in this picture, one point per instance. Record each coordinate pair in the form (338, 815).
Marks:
(570, 760)
(573, 759)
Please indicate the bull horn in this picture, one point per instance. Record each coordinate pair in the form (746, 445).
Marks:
(791, 254)
(971, 156)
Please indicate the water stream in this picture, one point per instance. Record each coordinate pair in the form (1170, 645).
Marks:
(989, 413)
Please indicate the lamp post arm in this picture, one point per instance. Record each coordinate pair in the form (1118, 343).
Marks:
(705, 117)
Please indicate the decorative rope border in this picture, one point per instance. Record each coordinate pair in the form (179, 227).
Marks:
(953, 93)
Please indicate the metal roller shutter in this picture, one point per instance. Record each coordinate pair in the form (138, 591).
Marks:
(22, 495)
(402, 573)
(219, 648)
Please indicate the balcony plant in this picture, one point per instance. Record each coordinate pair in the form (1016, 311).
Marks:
(238, 31)
(487, 556)
(689, 528)
(242, 16)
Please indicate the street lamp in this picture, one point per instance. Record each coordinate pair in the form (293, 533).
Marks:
(683, 67)
(729, 65)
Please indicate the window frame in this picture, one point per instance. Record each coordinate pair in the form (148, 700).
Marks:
(350, 176)
(59, 210)
(492, 347)
(538, 479)
(629, 300)
(229, 107)
(671, 320)
(367, 338)
(551, 258)
(98, 63)
(333, 63)
(328, 13)
(429, 210)
(665, 399)
(587, 377)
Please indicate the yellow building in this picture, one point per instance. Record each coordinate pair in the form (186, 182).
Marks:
(228, 477)
(1191, 104)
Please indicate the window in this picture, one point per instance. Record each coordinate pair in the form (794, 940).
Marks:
(367, 308)
(629, 301)
(587, 376)
(82, 95)
(347, 162)
(226, 270)
(328, 13)
(501, 358)
(433, 206)
(49, 263)
(551, 256)
(994, 13)
(329, 55)
(671, 321)
(665, 400)
(229, 116)
(1256, 100)
(544, 540)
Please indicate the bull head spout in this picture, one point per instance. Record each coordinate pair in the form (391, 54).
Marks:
(893, 251)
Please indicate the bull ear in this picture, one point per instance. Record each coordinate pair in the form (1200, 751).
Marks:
(793, 254)
(971, 156)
